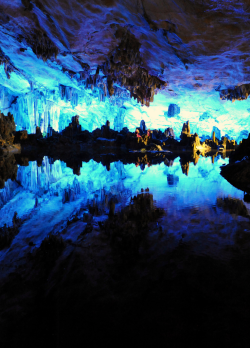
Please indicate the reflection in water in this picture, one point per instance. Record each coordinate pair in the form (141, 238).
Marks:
(147, 244)
(51, 193)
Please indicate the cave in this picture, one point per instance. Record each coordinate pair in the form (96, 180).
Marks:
(124, 173)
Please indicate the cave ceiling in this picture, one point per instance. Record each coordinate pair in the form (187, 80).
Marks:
(180, 49)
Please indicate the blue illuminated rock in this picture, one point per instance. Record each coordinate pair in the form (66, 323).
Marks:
(173, 110)
(243, 135)
(51, 70)
(217, 133)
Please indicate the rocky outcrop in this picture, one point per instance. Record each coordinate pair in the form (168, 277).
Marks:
(243, 135)
(173, 110)
(212, 143)
(74, 128)
(7, 128)
(237, 93)
(169, 132)
(23, 138)
(238, 174)
(216, 131)
(125, 67)
(228, 144)
(188, 139)
(242, 151)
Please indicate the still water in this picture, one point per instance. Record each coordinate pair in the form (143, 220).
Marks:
(182, 265)
(48, 196)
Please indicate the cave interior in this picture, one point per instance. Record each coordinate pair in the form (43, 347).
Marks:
(124, 172)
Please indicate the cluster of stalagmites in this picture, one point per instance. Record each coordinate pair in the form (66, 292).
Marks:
(142, 139)
(100, 137)
(237, 93)
(124, 68)
(193, 141)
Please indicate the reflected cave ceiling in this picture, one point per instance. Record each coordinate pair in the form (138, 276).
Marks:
(192, 53)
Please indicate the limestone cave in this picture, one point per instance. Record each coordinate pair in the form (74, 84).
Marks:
(124, 173)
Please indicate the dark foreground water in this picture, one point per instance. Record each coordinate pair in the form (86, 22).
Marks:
(90, 264)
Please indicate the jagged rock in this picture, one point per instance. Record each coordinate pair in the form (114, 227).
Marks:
(7, 128)
(105, 130)
(173, 110)
(157, 134)
(143, 126)
(38, 132)
(185, 129)
(237, 93)
(73, 128)
(186, 137)
(124, 67)
(169, 132)
(228, 144)
(217, 133)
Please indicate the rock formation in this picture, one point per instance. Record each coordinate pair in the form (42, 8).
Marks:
(216, 132)
(8, 169)
(173, 110)
(7, 128)
(124, 67)
(237, 93)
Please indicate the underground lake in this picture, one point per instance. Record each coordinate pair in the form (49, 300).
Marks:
(124, 173)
